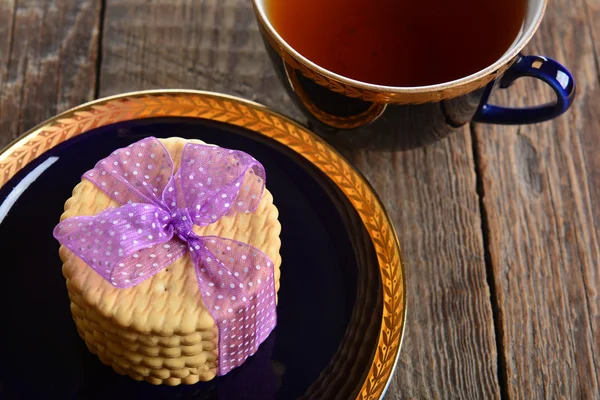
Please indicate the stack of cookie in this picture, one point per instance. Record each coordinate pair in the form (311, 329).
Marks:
(159, 330)
(157, 359)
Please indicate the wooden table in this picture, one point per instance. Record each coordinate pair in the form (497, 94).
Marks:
(499, 225)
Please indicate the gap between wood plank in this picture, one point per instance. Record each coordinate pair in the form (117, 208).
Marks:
(99, 53)
(491, 279)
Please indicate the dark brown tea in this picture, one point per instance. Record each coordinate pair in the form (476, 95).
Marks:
(399, 42)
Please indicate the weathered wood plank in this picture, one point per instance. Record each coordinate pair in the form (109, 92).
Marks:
(541, 187)
(450, 349)
(47, 60)
(7, 15)
(592, 11)
(208, 45)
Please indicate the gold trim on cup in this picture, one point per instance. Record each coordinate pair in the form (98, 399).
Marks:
(371, 114)
(390, 94)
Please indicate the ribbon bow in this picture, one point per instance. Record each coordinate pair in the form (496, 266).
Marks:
(153, 227)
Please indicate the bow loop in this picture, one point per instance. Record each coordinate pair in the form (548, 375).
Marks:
(213, 182)
(136, 174)
(120, 238)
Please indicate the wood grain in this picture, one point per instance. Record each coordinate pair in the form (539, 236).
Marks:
(208, 45)
(541, 187)
(47, 60)
(592, 12)
(450, 349)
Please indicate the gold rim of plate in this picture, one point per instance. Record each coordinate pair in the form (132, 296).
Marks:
(259, 119)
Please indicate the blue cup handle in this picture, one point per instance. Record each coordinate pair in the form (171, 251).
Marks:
(553, 73)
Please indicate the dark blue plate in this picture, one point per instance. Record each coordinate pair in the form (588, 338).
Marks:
(331, 302)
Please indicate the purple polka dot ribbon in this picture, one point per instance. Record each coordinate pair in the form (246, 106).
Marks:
(153, 227)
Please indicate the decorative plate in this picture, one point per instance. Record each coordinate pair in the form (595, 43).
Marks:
(342, 301)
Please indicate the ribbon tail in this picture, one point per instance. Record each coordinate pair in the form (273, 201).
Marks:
(237, 285)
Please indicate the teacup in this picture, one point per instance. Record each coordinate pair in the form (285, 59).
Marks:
(349, 112)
